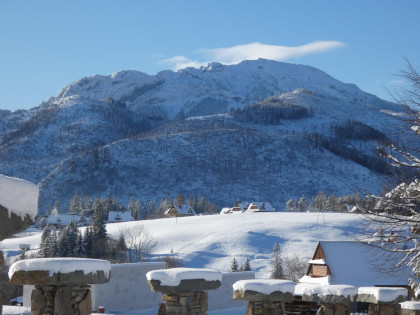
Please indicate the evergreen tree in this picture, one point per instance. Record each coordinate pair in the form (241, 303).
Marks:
(98, 234)
(87, 202)
(234, 265)
(134, 208)
(51, 247)
(247, 266)
(87, 242)
(80, 250)
(76, 203)
(56, 209)
(276, 263)
(43, 244)
(179, 200)
(290, 205)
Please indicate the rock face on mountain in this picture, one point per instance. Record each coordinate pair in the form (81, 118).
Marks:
(297, 131)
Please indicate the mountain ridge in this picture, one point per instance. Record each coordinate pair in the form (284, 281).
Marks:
(130, 111)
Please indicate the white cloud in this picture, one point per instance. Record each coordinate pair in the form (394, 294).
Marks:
(252, 51)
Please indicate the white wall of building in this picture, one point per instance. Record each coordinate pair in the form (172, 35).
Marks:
(222, 298)
(127, 289)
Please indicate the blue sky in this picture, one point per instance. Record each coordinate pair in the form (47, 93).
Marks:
(46, 45)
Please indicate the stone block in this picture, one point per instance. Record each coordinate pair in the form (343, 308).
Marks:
(191, 285)
(38, 302)
(62, 303)
(249, 295)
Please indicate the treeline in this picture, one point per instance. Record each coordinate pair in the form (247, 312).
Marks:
(140, 210)
(337, 146)
(322, 202)
(129, 122)
(353, 129)
(270, 112)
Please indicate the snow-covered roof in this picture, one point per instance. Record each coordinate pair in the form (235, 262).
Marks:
(384, 294)
(357, 264)
(240, 207)
(64, 219)
(265, 286)
(119, 216)
(182, 209)
(63, 265)
(19, 196)
(226, 211)
(174, 276)
(260, 207)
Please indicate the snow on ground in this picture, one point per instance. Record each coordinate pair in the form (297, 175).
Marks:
(212, 241)
(19, 196)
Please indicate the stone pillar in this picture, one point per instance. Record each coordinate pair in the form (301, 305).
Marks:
(384, 309)
(410, 312)
(188, 296)
(263, 303)
(61, 293)
(186, 303)
(61, 300)
(333, 309)
(266, 308)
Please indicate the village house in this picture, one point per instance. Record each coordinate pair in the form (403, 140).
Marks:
(238, 207)
(260, 207)
(64, 219)
(241, 207)
(354, 263)
(180, 211)
(119, 216)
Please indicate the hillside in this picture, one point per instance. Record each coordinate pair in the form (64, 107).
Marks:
(133, 134)
(213, 241)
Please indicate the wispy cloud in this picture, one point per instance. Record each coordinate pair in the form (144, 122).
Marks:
(252, 51)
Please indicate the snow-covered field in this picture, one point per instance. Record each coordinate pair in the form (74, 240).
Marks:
(213, 241)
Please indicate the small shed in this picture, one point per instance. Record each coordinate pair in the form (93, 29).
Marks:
(180, 211)
(119, 216)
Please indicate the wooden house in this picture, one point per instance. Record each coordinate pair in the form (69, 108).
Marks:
(180, 211)
(354, 263)
(260, 207)
(119, 216)
(64, 219)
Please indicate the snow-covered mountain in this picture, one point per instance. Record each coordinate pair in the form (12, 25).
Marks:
(132, 134)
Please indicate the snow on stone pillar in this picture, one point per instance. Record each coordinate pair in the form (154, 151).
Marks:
(382, 300)
(334, 299)
(18, 208)
(62, 285)
(264, 296)
(183, 289)
(410, 308)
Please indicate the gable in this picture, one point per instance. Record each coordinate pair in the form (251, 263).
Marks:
(319, 252)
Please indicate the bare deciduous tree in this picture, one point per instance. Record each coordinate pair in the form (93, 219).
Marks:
(294, 267)
(394, 219)
(140, 242)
